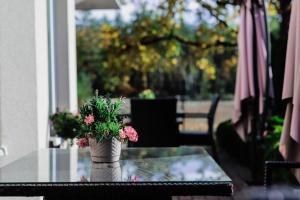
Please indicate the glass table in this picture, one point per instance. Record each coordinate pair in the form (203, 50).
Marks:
(141, 172)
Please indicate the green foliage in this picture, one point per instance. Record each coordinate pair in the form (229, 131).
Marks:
(272, 139)
(84, 87)
(271, 149)
(159, 50)
(230, 141)
(106, 118)
(65, 124)
(147, 94)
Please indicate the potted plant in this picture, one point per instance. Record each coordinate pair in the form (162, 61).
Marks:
(147, 94)
(102, 129)
(66, 125)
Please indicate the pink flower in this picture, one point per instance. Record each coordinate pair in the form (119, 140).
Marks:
(134, 138)
(131, 133)
(82, 142)
(89, 119)
(134, 178)
(122, 134)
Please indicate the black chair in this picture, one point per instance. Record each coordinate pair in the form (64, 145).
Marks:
(155, 122)
(201, 137)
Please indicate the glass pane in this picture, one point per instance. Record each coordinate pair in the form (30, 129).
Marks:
(136, 165)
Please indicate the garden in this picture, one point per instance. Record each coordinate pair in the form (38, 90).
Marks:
(182, 48)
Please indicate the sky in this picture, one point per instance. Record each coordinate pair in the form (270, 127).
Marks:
(127, 9)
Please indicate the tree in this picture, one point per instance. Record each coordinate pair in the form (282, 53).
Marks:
(158, 49)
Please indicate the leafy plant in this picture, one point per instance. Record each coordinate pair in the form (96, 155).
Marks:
(271, 149)
(147, 94)
(272, 139)
(101, 118)
(229, 140)
(65, 124)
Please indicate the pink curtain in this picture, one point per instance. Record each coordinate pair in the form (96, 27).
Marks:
(244, 86)
(290, 138)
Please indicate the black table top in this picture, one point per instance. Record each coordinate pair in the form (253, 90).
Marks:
(160, 168)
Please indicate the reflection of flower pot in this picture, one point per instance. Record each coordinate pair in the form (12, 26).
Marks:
(102, 172)
(105, 151)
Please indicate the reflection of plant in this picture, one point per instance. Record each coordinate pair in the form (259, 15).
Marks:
(147, 94)
(134, 178)
(65, 124)
(100, 118)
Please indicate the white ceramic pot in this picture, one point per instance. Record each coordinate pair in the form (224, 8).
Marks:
(106, 151)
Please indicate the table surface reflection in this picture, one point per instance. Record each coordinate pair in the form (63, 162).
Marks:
(136, 165)
(148, 171)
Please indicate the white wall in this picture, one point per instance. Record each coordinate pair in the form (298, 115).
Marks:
(23, 75)
(24, 72)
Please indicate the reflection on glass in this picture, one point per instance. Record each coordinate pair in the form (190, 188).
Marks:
(136, 165)
(106, 172)
(161, 164)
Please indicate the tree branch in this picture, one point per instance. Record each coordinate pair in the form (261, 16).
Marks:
(153, 40)
(211, 10)
(231, 2)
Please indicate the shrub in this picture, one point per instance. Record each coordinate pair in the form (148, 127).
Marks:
(147, 94)
(65, 124)
(230, 141)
